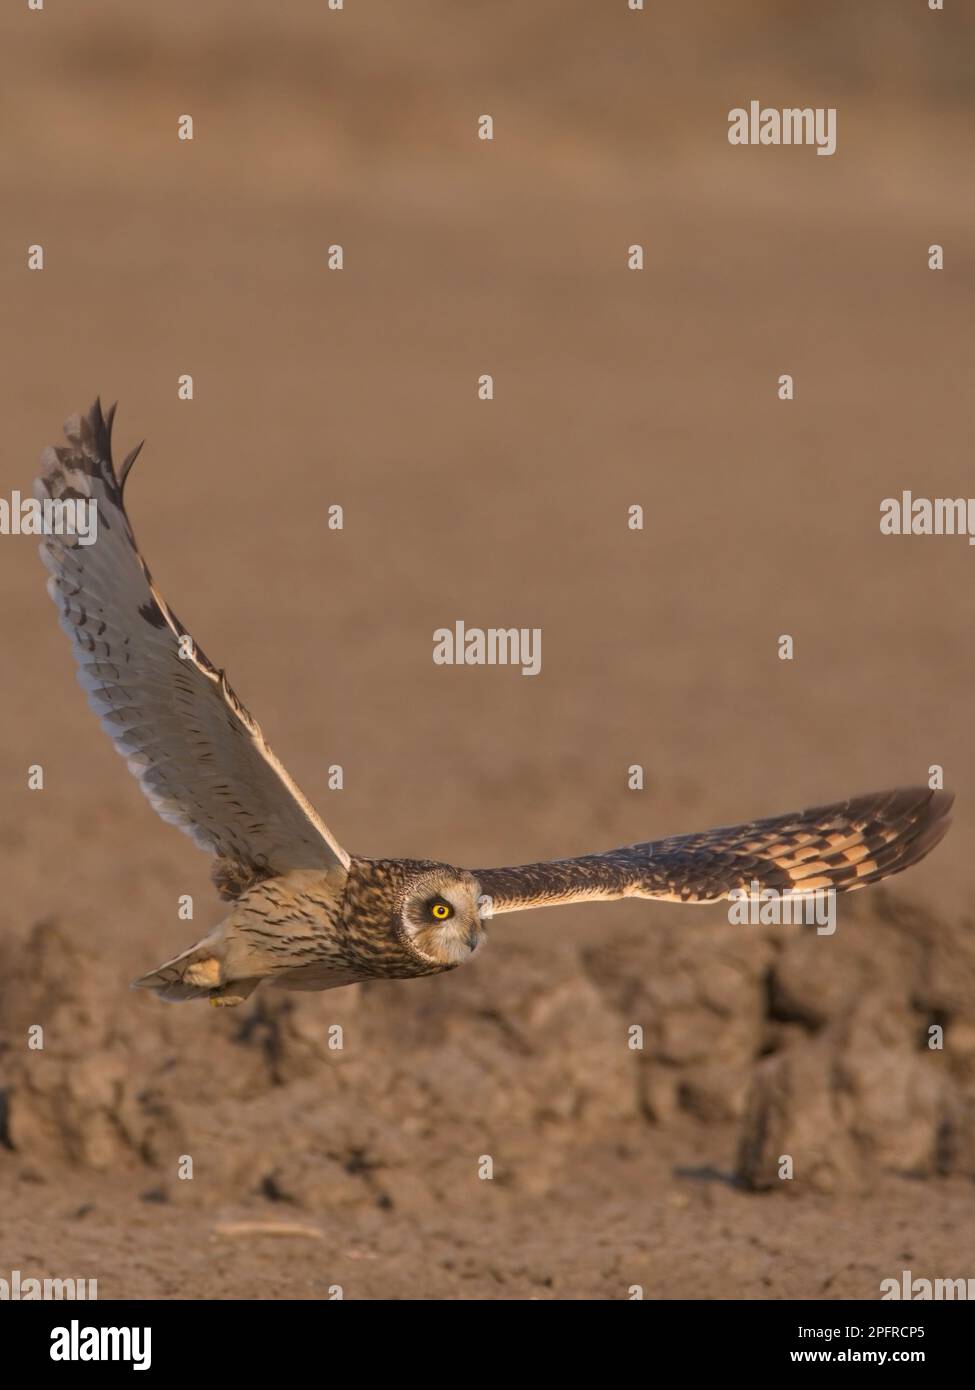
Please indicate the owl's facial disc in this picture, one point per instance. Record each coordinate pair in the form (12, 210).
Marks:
(440, 917)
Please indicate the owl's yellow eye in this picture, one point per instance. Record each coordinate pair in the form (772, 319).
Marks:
(441, 910)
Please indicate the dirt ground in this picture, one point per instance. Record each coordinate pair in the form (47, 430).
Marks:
(315, 1167)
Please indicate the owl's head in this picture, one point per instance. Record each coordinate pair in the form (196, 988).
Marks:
(440, 915)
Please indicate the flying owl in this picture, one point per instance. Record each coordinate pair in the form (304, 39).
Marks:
(305, 913)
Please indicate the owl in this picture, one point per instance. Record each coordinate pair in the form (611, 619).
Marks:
(305, 913)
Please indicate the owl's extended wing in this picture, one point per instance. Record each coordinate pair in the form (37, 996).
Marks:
(844, 847)
(200, 758)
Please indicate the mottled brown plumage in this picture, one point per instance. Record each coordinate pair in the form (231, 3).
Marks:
(306, 914)
(843, 847)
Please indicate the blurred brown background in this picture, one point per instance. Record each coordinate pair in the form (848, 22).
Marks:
(313, 387)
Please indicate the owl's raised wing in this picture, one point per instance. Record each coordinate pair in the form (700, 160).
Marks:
(200, 758)
(843, 847)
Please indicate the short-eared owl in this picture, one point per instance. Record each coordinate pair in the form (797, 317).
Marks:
(306, 914)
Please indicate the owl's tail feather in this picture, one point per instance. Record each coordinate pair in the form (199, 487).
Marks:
(193, 974)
